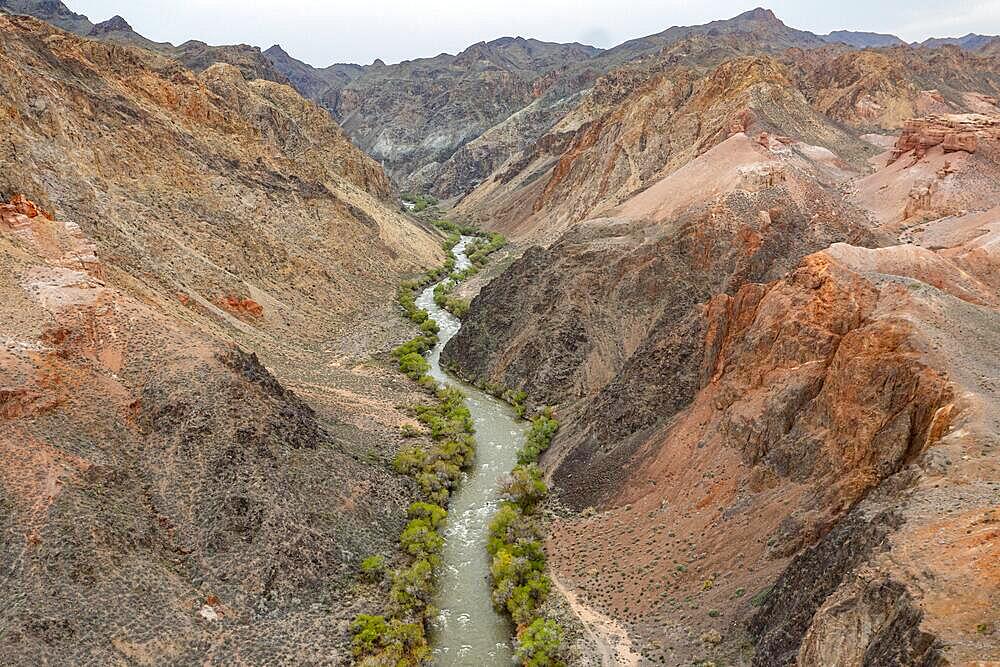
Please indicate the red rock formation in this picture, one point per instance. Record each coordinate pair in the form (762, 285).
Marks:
(18, 213)
(24, 206)
(953, 132)
(242, 306)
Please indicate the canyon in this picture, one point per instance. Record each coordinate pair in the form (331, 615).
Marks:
(771, 344)
(753, 271)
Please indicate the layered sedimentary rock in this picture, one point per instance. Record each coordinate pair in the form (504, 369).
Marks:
(951, 132)
(166, 238)
(501, 96)
(194, 54)
(413, 116)
(649, 118)
(939, 166)
(760, 438)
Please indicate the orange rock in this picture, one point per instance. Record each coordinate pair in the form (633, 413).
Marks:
(25, 206)
(239, 305)
(953, 132)
(11, 218)
(960, 141)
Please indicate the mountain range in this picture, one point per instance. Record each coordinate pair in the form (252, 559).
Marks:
(753, 272)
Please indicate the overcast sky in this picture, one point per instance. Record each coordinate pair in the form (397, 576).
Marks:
(322, 32)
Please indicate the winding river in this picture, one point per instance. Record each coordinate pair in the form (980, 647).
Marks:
(467, 630)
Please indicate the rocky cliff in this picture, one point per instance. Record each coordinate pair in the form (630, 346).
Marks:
(770, 351)
(444, 124)
(643, 121)
(413, 116)
(193, 54)
(195, 270)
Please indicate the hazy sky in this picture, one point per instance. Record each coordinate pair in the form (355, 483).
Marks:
(326, 31)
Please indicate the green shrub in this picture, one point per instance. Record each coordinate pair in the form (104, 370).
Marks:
(373, 566)
(457, 306)
(501, 527)
(409, 460)
(429, 383)
(420, 539)
(370, 633)
(760, 598)
(413, 587)
(435, 515)
(379, 642)
(525, 487)
(539, 645)
(543, 429)
(414, 365)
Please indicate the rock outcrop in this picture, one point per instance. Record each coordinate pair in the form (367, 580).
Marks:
(762, 426)
(195, 270)
(954, 132)
(649, 118)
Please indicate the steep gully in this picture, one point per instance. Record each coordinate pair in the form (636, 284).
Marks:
(468, 630)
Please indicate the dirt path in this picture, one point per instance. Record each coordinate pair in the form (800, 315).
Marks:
(609, 637)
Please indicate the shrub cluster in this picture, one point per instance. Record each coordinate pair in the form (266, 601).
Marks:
(410, 354)
(444, 298)
(515, 397)
(478, 253)
(515, 544)
(399, 638)
(379, 640)
(420, 202)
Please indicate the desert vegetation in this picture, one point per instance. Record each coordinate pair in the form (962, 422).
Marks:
(418, 202)
(478, 253)
(520, 584)
(398, 637)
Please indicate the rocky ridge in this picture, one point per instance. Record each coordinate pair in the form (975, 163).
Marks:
(638, 124)
(757, 384)
(193, 54)
(197, 499)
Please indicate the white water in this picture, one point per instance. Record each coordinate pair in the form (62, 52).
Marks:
(467, 630)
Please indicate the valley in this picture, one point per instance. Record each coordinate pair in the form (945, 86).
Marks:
(684, 351)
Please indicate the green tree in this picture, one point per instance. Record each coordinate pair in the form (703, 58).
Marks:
(539, 645)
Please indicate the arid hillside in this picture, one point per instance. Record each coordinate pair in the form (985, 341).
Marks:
(166, 238)
(644, 121)
(194, 54)
(755, 274)
(767, 313)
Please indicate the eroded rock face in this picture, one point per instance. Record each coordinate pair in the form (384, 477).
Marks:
(242, 182)
(162, 490)
(812, 456)
(872, 621)
(151, 470)
(741, 413)
(597, 319)
(415, 115)
(653, 115)
(951, 132)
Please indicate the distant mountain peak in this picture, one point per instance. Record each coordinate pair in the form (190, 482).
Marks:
(758, 14)
(277, 51)
(114, 24)
(862, 40)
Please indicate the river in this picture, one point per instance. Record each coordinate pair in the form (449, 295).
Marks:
(467, 630)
